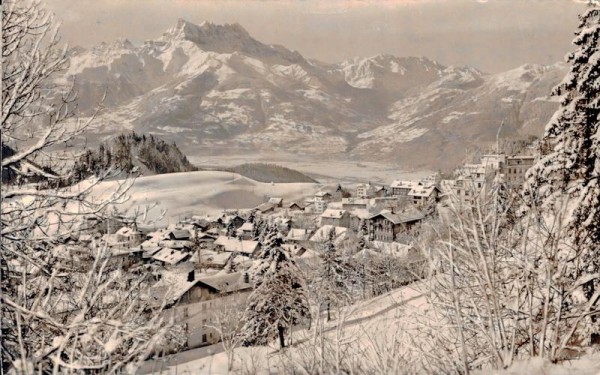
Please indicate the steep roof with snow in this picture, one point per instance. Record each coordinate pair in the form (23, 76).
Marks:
(399, 218)
(322, 234)
(298, 234)
(170, 256)
(235, 245)
(226, 282)
(333, 214)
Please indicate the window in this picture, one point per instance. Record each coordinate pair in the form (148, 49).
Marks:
(204, 337)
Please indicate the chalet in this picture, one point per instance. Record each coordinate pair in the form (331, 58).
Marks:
(297, 235)
(234, 245)
(265, 208)
(357, 217)
(149, 251)
(129, 236)
(211, 259)
(379, 192)
(296, 206)
(234, 219)
(177, 244)
(336, 218)
(170, 256)
(423, 196)
(354, 203)
(277, 202)
(178, 235)
(205, 238)
(194, 299)
(200, 223)
(245, 231)
(402, 188)
(386, 226)
(515, 168)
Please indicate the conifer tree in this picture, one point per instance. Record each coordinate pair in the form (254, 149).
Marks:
(279, 299)
(335, 274)
(568, 171)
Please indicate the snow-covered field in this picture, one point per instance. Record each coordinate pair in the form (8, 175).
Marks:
(201, 192)
(368, 322)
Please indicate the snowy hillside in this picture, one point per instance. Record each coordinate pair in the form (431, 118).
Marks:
(215, 90)
(201, 192)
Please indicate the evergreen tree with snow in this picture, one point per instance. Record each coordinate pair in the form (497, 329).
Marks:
(335, 274)
(566, 178)
(279, 299)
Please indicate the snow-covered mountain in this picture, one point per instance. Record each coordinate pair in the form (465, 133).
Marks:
(215, 89)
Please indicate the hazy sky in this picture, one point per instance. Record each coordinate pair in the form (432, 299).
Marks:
(492, 35)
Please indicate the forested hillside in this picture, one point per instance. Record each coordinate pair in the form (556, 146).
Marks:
(132, 152)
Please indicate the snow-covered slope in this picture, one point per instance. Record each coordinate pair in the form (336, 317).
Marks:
(214, 90)
(200, 192)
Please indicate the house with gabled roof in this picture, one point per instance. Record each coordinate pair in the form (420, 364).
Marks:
(234, 245)
(296, 206)
(170, 256)
(264, 208)
(401, 188)
(423, 196)
(245, 231)
(298, 235)
(276, 201)
(336, 218)
(178, 234)
(386, 226)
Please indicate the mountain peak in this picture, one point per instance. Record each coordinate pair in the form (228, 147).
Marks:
(206, 32)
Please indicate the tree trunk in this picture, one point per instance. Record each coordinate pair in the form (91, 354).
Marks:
(281, 338)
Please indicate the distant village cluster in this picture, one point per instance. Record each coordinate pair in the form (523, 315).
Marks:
(203, 263)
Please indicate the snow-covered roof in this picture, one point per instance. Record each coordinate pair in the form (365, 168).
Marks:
(333, 214)
(294, 249)
(297, 234)
(212, 257)
(404, 184)
(264, 207)
(125, 231)
(275, 200)
(226, 282)
(366, 253)
(322, 194)
(355, 201)
(322, 234)
(399, 218)
(396, 249)
(176, 244)
(360, 213)
(235, 245)
(247, 227)
(178, 234)
(300, 205)
(172, 285)
(170, 256)
(421, 191)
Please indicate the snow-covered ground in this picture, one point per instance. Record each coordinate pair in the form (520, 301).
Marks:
(201, 192)
(367, 321)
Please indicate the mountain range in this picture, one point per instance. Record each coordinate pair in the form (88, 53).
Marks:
(215, 90)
